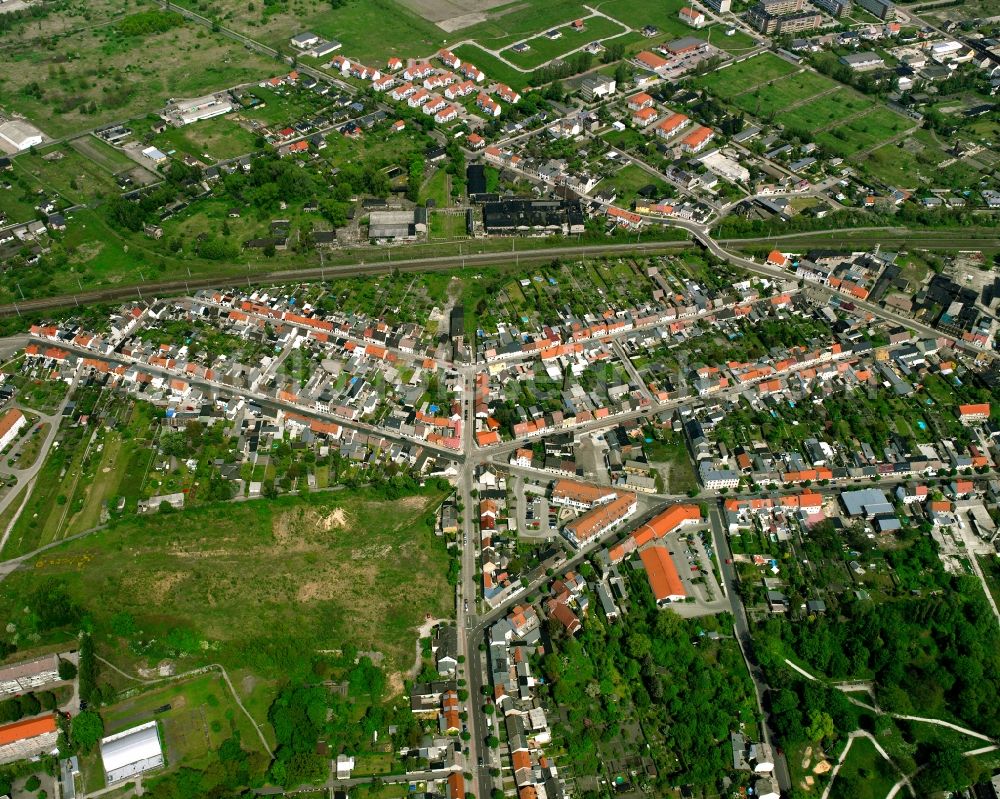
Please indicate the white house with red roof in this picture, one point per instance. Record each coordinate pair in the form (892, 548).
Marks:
(691, 17)
(403, 92)
(448, 58)
(446, 114)
(434, 104)
(418, 98)
(472, 72)
(488, 105)
(639, 101)
(644, 117)
(418, 71)
(672, 125)
(507, 94)
(698, 139)
(462, 89)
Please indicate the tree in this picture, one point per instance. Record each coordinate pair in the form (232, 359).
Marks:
(945, 769)
(86, 730)
(67, 669)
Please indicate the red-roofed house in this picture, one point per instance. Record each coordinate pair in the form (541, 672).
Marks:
(691, 17)
(698, 139)
(488, 105)
(777, 258)
(10, 426)
(639, 101)
(651, 61)
(644, 117)
(671, 125)
(979, 412)
(662, 575)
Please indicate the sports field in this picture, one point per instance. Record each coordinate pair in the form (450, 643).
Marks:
(252, 584)
(195, 716)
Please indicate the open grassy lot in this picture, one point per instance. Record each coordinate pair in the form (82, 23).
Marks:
(627, 181)
(371, 30)
(863, 132)
(436, 188)
(514, 21)
(494, 68)
(218, 139)
(250, 583)
(767, 100)
(865, 774)
(739, 78)
(544, 49)
(98, 74)
(917, 161)
(60, 169)
(447, 226)
(201, 714)
(826, 111)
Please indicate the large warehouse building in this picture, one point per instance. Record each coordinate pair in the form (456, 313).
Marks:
(20, 135)
(131, 752)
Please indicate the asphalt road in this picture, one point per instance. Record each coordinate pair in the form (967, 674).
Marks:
(741, 628)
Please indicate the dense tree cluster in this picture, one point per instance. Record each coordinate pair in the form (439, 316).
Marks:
(687, 691)
(145, 23)
(297, 716)
(937, 655)
(233, 772)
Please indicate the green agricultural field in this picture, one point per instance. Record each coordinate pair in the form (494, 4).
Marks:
(544, 49)
(826, 111)
(863, 132)
(767, 100)
(739, 78)
(254, 584)
(219, 138)
(103, 154)
(112, 76)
